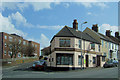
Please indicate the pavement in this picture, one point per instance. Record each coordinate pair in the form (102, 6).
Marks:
(24, 71)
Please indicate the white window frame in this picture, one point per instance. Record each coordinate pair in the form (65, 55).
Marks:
(5, 52)
(5, 37)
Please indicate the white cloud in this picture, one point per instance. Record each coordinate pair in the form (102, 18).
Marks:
(66, 5)
(37, 6)
(57, 27)
(105, 27)
(89, 13)
(44, 41)
(8, 27)
(86, 4)
(19, 19)
(102, 5)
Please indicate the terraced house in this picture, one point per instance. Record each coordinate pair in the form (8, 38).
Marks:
(66, 49)
(109, 43)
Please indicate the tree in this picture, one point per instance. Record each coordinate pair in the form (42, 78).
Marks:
(14, 48)
(46, 51)
(29, 50)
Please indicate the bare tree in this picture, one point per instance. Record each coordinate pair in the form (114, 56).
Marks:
(28, 50)
(14, 48)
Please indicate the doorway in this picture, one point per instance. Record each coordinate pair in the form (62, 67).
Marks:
(98, 60)
(87, 61)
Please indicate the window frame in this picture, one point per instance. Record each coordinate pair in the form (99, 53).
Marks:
(65, 41)
(62, 59)
(91, 45)
(5, 37)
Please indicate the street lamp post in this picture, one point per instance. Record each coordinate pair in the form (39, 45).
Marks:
(81, 44)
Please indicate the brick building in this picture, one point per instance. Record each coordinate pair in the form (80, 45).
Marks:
(4, 46)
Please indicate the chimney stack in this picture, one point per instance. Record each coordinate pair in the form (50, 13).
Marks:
(75, 24)
(108, 33)
(117, 35)
(95, 27)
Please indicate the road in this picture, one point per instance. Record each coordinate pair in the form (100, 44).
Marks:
(22, 71)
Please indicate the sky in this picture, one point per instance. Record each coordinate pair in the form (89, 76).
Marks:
(40, 21)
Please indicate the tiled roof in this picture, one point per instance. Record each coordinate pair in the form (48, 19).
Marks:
(71, 32)
(115, 39)
(109, 38)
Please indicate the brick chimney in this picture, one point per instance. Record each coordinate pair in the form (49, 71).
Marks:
(95, 27)
(108, 33)
(117, 34)
(75, 24)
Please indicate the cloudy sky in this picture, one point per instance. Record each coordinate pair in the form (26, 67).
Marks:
(40, 21)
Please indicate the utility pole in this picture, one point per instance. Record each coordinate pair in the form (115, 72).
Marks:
(81, 44)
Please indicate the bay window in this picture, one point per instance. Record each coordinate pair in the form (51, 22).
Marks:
(64, 59)
(64, 42)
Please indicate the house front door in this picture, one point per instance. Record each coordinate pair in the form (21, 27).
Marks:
(87, 61)
(98, 60)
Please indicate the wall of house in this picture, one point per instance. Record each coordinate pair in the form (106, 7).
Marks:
(0, 45)
(74, 44)
(104, 48)
(75, 59)
(55, 42)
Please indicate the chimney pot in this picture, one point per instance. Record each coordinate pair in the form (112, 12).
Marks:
(108, 33)
(117, 34)
(75, 24)
(95, 27)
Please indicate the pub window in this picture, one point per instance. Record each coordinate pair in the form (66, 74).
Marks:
(79, 60)
(64, 59)
(64, 42)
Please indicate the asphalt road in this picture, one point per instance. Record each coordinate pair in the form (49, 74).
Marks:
(23, 71)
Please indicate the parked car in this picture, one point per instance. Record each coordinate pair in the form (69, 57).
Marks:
(110, 63)
(115, 62)
(39, 65)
